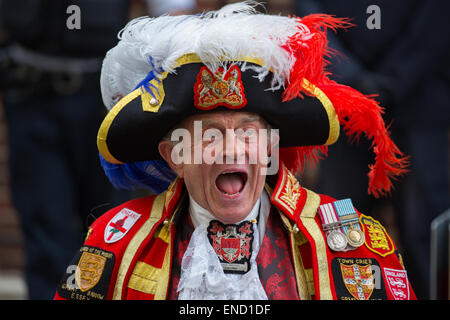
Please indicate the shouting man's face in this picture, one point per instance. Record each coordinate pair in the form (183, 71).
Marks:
(223, 161)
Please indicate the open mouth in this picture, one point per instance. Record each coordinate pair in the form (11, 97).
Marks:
(231, 183)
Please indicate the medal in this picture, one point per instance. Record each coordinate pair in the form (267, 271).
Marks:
(341, 224)
(355, 237)
(350, 223)
(336, 240)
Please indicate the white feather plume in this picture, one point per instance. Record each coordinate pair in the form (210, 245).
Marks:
(234, 31)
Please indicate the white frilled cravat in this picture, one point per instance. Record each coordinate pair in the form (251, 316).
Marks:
(202, 276)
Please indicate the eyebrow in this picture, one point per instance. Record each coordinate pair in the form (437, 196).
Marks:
(207, 122)
(251, 119)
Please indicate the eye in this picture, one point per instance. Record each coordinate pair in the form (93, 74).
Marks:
(246, 133)
(211, 136)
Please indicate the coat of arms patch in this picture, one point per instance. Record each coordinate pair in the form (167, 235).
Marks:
(223, 87)
(232, 244)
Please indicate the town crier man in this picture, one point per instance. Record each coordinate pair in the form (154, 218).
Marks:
(216, 113)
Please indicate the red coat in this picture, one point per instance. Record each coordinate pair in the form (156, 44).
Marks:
(128, 252)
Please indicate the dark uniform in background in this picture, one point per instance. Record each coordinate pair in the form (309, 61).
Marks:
(53, 107)
(406, 63)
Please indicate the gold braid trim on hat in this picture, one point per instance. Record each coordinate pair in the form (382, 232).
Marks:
(151, 104)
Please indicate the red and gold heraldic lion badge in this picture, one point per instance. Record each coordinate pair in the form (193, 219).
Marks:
(377, 239)
(232, 244)
(222, 88)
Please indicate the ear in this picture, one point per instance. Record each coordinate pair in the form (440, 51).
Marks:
(165, 148)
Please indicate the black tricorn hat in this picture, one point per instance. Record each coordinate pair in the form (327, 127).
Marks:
(166, 69)
(137, 123)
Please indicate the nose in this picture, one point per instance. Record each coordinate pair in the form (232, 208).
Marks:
(234, 149)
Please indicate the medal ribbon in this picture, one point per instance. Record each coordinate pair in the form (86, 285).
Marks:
(329, 217)
(340, 216)
(347, 214)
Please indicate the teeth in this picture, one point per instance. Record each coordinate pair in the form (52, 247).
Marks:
(229, 194)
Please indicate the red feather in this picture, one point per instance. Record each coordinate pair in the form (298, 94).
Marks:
(295, 158)
(359, 114)
(310, 50)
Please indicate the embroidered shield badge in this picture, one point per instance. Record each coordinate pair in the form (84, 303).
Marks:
(398, 283)
(358, 280)
(232, 244)
(89, 270)
(376, 238)
(119, 225)
(220, 88)
(88, 276)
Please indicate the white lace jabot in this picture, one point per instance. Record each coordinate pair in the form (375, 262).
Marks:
(202, 276)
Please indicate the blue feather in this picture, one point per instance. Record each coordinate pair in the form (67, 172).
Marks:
(155, 175)
(152, 75)
(145, 84)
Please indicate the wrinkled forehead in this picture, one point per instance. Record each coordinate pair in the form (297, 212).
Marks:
(225, 119)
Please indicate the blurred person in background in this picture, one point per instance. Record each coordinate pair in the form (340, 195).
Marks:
(50, 90)
(405, 63)
(173, 7)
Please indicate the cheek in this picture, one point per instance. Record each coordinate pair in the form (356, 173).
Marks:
(259, 180)
(196, 180)
(258, 153)
(188, 174)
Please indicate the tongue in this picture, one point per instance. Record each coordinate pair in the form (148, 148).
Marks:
(230, 183)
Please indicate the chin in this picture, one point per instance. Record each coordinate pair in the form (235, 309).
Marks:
(231, 216)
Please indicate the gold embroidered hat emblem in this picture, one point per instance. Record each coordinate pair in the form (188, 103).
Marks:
(220, 88)
(89, 270)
